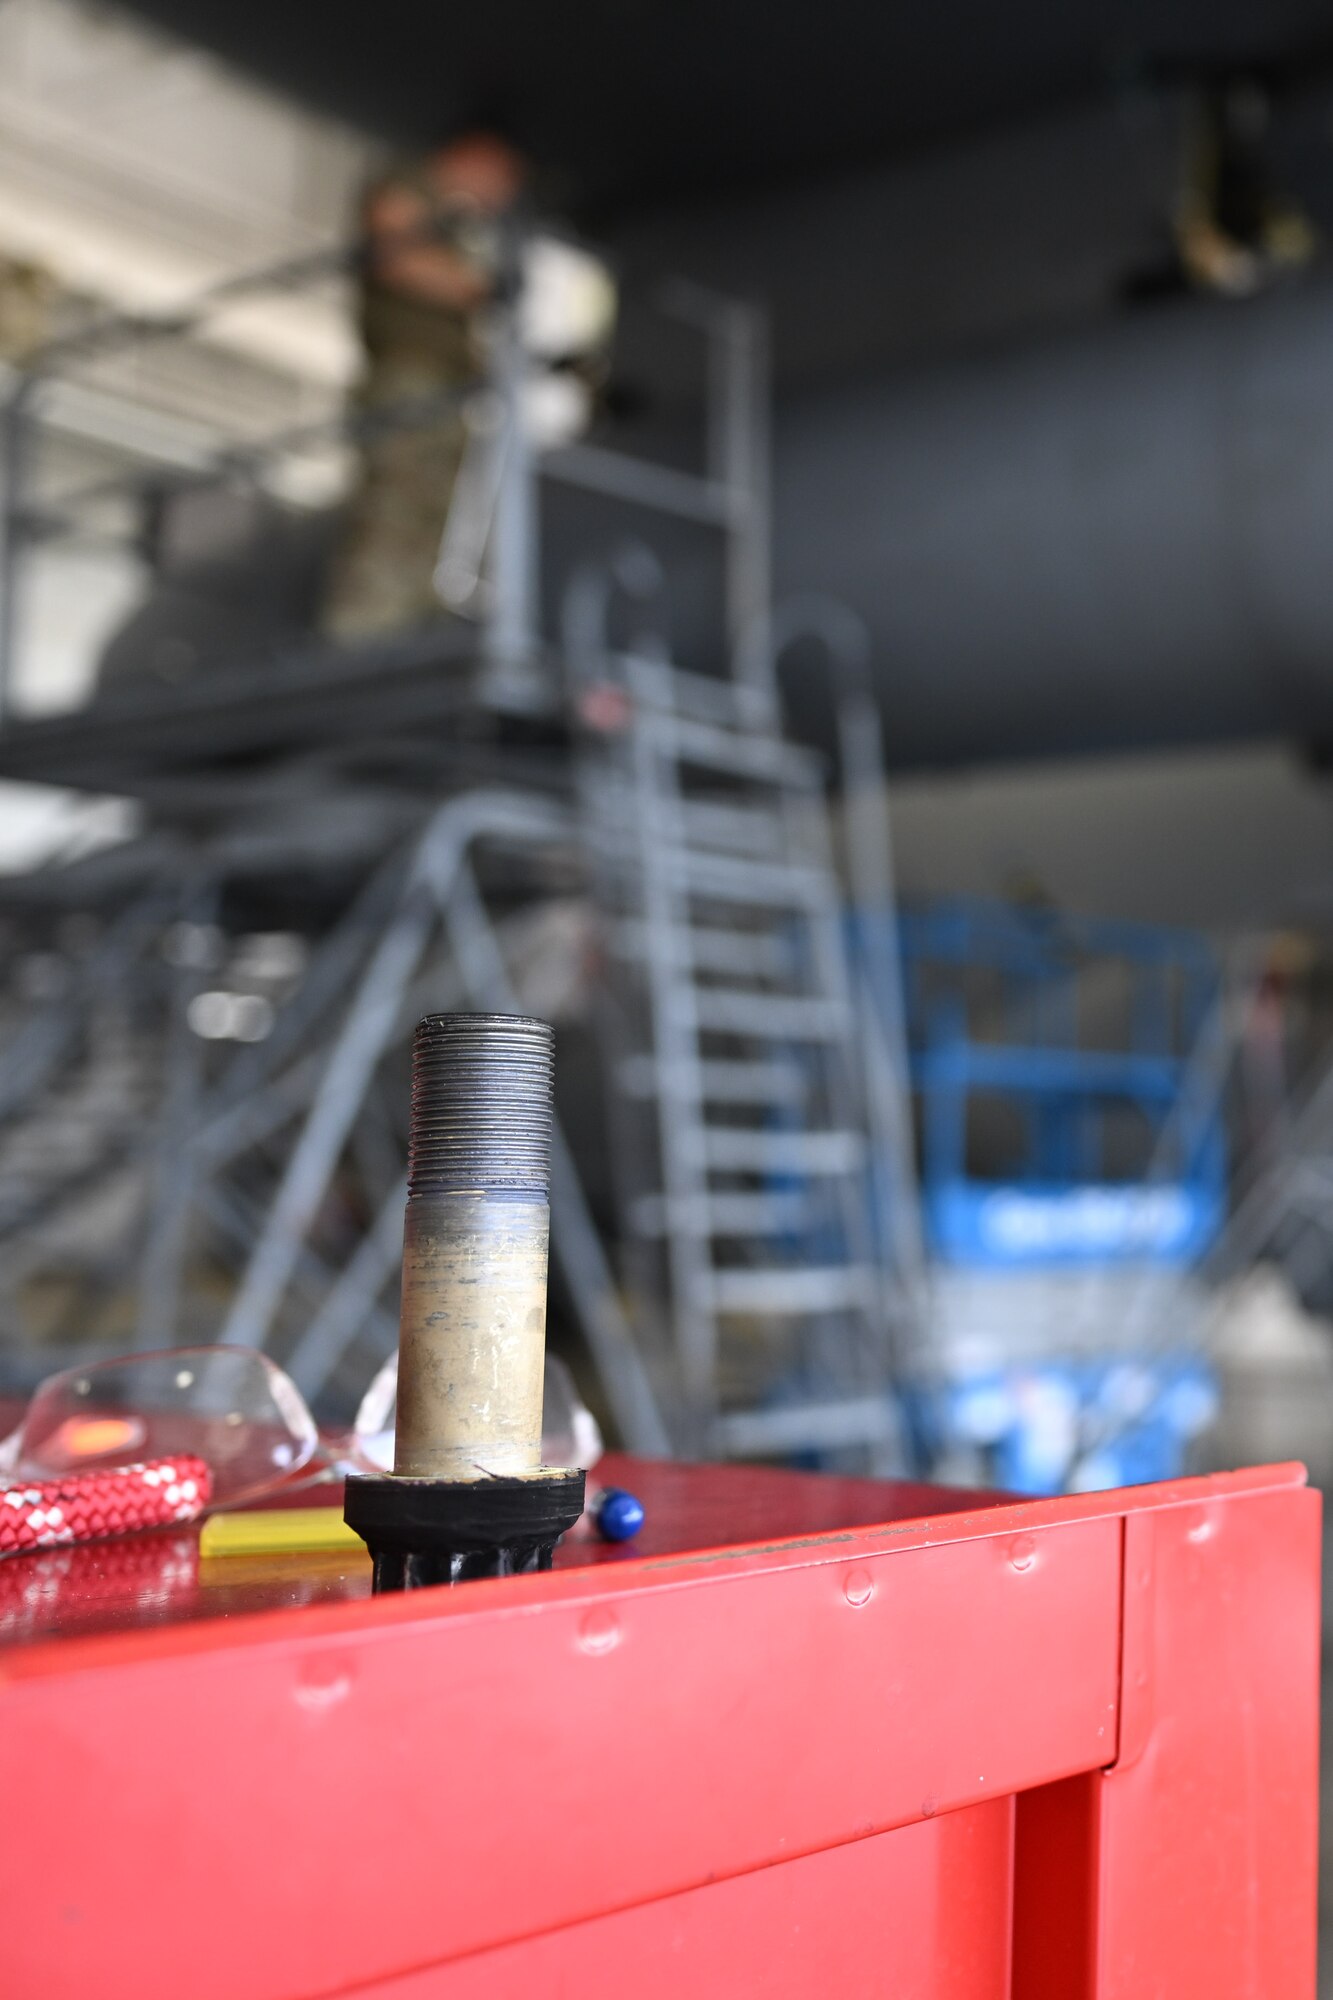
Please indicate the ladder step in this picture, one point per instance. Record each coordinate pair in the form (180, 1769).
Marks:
(741, 1150)
(775, 1214)
(735, 829)
(732, 823)
(731, 879)
(774, 1083)
(707, 948)
(742, 954)
(807, 1427)
(677, 691)
(754, 755)
(775, 1016)
(809, 1288)
(777, 1084)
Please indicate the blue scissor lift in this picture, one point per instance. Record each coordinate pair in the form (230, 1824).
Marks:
(1069, 1181)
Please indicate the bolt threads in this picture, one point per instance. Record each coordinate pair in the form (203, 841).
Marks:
(481, 1104)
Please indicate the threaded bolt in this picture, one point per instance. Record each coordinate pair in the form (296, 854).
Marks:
(481, 1104)
(472, 1337)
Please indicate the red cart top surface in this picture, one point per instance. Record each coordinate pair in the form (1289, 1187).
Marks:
(136, 1582)
(862, 1736)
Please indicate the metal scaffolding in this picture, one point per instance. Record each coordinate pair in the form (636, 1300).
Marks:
(449, 782)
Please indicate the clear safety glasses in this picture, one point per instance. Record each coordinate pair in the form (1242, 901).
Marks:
(240, 1414)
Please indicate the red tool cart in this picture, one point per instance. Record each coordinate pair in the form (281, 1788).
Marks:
(808, 1736)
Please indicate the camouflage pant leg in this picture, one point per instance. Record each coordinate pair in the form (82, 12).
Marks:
(382, 574)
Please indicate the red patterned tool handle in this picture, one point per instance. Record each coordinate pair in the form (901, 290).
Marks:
(85, 1506)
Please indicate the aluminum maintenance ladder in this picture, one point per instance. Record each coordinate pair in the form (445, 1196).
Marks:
(740, 1107)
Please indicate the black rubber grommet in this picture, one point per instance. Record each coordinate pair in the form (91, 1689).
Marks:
(423, 1531)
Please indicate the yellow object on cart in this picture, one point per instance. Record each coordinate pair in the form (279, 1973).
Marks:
(277, 1531)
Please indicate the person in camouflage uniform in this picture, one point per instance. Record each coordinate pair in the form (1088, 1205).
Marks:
(421, 301)
(29, 309)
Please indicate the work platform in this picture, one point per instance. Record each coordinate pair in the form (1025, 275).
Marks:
(807, 1737)
(409, 692)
